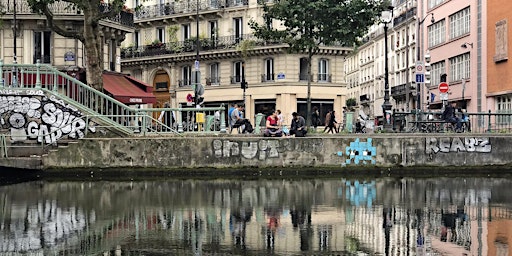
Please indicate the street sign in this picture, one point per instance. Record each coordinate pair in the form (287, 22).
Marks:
(196, 64)
(443, 87)
(420, 78)
(420, 68)
(443, 96)
(189, 97)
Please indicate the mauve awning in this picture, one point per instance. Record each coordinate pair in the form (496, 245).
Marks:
(127, 89)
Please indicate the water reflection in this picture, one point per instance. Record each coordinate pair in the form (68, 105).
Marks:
(442, 216)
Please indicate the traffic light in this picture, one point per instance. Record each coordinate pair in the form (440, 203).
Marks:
(244, 85)
(200, 100)
(428, 67)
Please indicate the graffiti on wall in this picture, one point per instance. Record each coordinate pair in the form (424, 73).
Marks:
(467, 144)
(263, 149)
(37, 117)
(359, 152)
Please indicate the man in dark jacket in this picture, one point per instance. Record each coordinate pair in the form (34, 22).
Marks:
(449, 116)
(298, 126)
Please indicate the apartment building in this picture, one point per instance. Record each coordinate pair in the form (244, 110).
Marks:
(36, 41)
(163, 53)
(498, 72)
(456, 46)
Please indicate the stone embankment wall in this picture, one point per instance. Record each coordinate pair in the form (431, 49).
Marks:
(379, 150)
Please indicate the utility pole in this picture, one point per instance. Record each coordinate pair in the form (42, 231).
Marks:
(197, 73)
(15, 58)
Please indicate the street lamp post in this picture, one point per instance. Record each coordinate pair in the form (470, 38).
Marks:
(15, 58)
(387, 16)
(197, 72)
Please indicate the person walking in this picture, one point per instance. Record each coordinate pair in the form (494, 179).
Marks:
(327, 120)
(332, 123)
(315, 117)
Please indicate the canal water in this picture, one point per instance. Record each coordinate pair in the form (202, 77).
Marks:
(449, 215)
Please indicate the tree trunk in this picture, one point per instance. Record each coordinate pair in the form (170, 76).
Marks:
(93, 50)
(308, 111)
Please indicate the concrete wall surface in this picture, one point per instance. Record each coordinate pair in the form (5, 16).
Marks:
(330, 151)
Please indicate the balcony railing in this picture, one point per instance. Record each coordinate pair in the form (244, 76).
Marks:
(64, 8)
(42, 58)
(214, 80)
(267, 78)
(235, 79)
(184, 82)
(189, 45)
(324, 78)
(184, 7)
(404, 16)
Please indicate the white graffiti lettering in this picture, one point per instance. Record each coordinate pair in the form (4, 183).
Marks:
(40, 118)
(446, 145)
(263, 149)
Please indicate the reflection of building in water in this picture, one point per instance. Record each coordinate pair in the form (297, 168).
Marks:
(307, 218)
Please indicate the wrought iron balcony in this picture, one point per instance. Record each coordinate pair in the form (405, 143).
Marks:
(189, 45)
(214, 80)
(405, 16)
(400, 91)
(42, 58)
(324, 78)
(235, 79)
(125, 17)
(185, 7)
(265, 78)
(184, 82)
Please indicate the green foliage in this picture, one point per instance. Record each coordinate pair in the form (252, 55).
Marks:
(245, 46)
(311, 23)
(350, 103)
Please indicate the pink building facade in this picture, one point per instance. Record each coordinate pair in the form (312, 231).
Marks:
(456, 45)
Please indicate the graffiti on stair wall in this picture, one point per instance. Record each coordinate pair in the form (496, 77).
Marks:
(34, 116)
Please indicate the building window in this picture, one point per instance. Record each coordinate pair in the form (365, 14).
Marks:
(269, 70)
(504, 106)
(459, 23)
(136, 39)
(213, 29)
(186, 76)
(323, 70)
(437, 70)
(436, 33)
(434, 3)
(160, 34)
(238, 29)
(214, 78)
(459, 67)
(42, 46)
(238, 70)
(186, 31)
(303, 69)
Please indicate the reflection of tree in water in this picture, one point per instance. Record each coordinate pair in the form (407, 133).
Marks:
(238, 224)
(301, 219)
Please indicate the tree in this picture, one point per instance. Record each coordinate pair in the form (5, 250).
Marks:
(90, 36)
(310, 24)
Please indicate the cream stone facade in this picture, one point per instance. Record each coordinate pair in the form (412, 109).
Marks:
(36, 41)
(162, 52)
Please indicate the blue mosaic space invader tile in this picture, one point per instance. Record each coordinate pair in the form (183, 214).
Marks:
(361, 152)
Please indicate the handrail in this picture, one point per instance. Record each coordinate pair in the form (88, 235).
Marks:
(40, 78)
